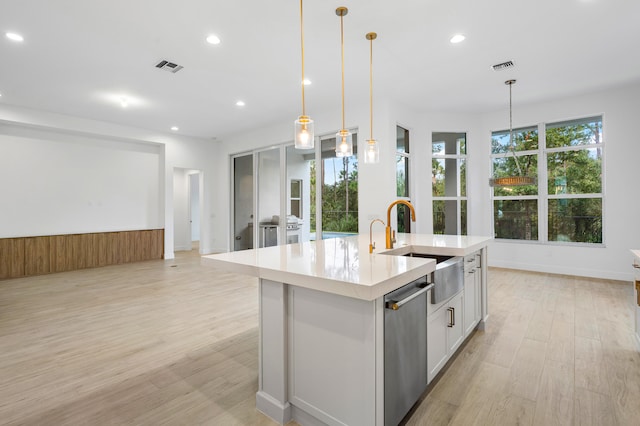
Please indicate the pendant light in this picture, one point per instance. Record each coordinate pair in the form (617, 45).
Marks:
(344, 142)
(519, 179)
(372, 154)
(303, 133)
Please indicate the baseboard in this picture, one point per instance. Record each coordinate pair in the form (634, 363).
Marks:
(304, 418)
(272, 408)
(560, 270)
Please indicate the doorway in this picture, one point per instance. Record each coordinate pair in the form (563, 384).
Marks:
(243, 223)
(187, 206)
(194, 210)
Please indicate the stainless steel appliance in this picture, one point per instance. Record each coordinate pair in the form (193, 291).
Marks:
(405, 334)
(268, 235)
(405, 348)
(292, 227)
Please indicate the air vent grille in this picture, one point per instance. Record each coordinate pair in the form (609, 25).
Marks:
(169, 66)
(503, 66)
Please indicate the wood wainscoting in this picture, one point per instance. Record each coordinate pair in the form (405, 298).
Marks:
(27, 256)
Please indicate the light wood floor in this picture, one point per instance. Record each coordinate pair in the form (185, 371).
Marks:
(175, 343)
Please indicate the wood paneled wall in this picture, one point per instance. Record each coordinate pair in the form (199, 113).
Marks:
(26, 256)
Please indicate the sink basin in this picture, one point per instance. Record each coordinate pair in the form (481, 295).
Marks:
(448, 276)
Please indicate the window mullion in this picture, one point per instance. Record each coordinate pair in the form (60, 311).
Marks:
(543, 204)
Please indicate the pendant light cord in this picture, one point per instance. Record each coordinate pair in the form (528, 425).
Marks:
(371, 88)
(302, 51)
(342, 50)
(511, 144)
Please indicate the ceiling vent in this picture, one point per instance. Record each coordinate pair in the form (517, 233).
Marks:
(503, 66)
(169, 66)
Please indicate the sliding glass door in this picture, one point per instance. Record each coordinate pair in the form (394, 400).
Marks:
(285, 195)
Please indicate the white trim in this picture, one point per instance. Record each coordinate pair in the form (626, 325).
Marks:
(562, 270)
(574, 148)
(272, 408)
(573, 196)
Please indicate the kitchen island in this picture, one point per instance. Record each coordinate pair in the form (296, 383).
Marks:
(321, 352)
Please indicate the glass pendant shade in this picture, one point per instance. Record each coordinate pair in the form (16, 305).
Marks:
(303, 138)
(372, 153)
(344, 144)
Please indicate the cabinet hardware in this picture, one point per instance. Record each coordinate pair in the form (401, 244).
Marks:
(453, 316)
(638, 292)
(395, 305)
(451, 320)
(635, 265)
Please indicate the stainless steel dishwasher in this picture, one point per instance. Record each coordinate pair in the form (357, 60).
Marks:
(405, 348)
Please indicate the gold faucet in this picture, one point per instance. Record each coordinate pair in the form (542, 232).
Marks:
(372, 244)
(390, 236)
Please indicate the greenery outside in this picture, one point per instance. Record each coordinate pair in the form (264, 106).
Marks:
(573, 154)
(339, 199)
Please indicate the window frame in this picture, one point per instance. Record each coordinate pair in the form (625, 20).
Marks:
(406, 156)
(544, 196)
(459, 198)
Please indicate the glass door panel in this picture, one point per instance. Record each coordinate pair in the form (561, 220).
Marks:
(301, 178)
(269, 193)
(243, 202)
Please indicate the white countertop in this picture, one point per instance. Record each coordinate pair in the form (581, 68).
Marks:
(636, 253)
(344, 266)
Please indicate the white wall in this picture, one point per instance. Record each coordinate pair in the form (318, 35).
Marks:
(57, 183)
(620, 109)
(120, 145)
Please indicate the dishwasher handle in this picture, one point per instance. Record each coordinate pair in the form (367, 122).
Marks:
(393, 305)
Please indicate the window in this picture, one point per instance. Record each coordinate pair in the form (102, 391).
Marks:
(574, 180)
(402, 177)
(295, 199)
(567, 203)
(515, 209)
(338, 190)
(449, 182)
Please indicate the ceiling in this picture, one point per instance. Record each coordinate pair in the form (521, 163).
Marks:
(81, 57)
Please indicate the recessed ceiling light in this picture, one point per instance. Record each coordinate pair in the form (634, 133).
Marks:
(175, 128)
(124, 102)
(240, 103)
(306, 82)
(457, 38)
(213, 39)
(14, 37)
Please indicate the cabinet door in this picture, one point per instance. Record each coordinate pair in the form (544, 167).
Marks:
(437, 353)
(470, 300)
(455, 329)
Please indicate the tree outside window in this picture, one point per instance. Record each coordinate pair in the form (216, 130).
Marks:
(567, 205)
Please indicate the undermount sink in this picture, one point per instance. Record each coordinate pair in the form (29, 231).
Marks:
(448, 276)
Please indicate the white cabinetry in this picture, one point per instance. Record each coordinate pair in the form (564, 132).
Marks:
(450, 322)
(472, 292)
(445, 333)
